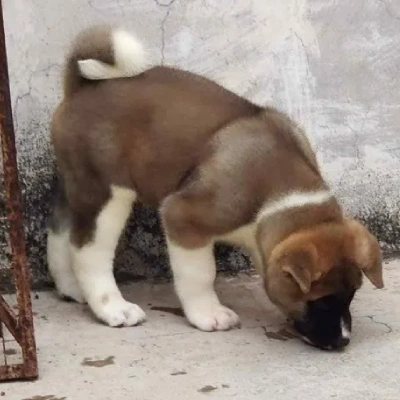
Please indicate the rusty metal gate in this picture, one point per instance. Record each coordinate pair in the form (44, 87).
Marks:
(17, 343)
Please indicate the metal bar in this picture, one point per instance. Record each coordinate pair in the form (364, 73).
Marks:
(19, 262)
(14, 372)
(3, 343)
(9, 319)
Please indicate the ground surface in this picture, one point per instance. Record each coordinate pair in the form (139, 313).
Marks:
(167, 359)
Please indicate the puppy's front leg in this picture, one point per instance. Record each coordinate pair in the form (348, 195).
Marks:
(194, 275)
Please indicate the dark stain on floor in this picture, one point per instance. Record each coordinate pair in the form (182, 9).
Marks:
(48, 397)
(207, 389)
(170, 310)
(10, 352)
(283, 334)
(89, 362)
(178, 373)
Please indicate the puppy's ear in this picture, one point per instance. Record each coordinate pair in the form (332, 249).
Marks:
(365, 252)
(298, 264)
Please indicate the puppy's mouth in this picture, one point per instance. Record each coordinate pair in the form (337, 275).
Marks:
(338, 344)
(327, 347)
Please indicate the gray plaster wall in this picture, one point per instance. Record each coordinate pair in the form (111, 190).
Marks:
(333, 65)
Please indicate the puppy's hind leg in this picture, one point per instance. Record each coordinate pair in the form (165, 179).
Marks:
(58, 248)
(94, 238)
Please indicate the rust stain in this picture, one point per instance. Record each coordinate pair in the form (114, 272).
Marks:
(88, 362)
(170, 310)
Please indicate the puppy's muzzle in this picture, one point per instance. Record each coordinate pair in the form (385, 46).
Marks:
(331, 344)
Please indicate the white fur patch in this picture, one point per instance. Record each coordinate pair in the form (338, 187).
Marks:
(129, 55)
(346, 334)
(292, 200)
(60, 265)
(245, 237)
(93, 264)
(194, 275)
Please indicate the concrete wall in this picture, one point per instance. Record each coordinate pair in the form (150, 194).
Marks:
(331, 64)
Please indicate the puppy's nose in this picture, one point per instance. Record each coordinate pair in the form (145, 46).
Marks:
(342, 342)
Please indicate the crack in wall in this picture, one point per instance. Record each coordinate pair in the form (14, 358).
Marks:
(389, 10)
(168, 6)
(28, 92)
(357, 141)
(300, 40)
(91, 5)
(102, 11)
(163, 37)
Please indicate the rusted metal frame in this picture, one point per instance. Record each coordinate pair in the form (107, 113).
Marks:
(12, 372)
(3, 342)
(19, 262)
(9, 319)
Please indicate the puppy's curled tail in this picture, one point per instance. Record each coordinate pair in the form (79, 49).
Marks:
(101, 53)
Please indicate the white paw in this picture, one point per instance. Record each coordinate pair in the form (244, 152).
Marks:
(213, 317)
(70, 291)
(119, 312)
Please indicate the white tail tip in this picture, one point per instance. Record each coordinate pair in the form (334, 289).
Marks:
(129, 59)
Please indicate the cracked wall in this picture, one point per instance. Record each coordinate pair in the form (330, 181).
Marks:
(331, 64)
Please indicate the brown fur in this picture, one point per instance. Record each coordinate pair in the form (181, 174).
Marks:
(321, 260)
(93, 43)
(210, 160)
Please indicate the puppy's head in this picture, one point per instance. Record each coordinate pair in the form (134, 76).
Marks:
(313, 275)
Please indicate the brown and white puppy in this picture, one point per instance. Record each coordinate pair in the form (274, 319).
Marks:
(218, 168)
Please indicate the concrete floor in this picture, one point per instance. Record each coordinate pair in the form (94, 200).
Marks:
(167, 359)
